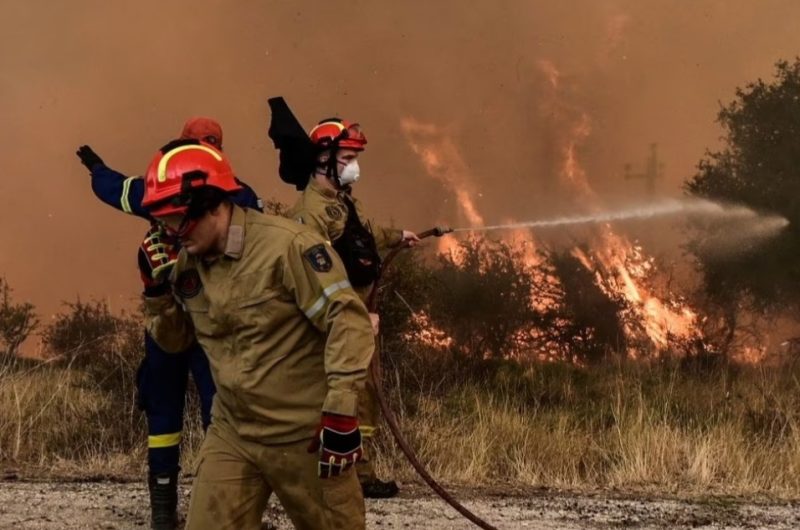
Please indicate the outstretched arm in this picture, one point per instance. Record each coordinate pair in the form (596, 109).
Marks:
(112, 187)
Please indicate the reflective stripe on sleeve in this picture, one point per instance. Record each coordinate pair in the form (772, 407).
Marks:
(125, 199)
(323, 300)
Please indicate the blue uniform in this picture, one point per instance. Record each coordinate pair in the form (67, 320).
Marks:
(162, 377)
(127, 193)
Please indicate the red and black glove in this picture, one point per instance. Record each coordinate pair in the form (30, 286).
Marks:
(338, 442)
(157, 255)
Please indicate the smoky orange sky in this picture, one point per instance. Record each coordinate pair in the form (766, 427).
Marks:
(123, 76)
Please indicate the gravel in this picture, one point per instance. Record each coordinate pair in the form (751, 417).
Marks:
(123, 505)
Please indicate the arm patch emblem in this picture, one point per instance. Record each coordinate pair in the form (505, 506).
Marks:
(333, 212)
(188, 284)
(319, 258)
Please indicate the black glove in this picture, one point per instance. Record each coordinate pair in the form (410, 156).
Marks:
(88, 157)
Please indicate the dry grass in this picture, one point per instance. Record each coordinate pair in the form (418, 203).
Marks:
(59, 417)
(665, 427)
(65, 421)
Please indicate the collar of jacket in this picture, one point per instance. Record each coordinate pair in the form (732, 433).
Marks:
(234, 246)
(316, 187)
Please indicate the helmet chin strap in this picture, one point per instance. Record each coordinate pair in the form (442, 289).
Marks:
(332, 169)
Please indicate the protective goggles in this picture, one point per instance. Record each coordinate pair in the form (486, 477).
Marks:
(177, 225)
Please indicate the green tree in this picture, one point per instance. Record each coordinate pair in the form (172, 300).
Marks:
(758, 166)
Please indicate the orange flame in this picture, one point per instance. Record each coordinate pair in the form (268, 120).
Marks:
(442, 161)
(625, 270)
(572, 170)
(427, 333)
(620, 269)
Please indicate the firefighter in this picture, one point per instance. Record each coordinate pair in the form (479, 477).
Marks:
(327, 205)
(162, 378)
(288, 340)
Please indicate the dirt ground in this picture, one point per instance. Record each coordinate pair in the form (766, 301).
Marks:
(116, 505)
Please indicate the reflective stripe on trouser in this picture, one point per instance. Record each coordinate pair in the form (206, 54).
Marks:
(235, 478)
(159, 441)
(162, 382)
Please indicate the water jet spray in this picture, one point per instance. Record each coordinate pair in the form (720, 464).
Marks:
(665, 208)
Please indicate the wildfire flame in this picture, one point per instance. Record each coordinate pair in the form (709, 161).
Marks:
(442, 160)
(621, 269)
(426, 332)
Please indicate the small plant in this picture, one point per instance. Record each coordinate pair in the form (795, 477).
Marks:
(17, 321)
(89, 336)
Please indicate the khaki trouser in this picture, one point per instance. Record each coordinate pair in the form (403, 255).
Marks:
(369, 413)
(235, 478)
(369, 416)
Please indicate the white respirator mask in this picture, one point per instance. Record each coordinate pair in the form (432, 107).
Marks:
(350, 173)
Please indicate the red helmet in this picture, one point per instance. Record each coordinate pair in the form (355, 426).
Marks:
(177, 169)
(335, 132)
(203, 129)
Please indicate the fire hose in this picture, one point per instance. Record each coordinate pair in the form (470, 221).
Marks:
(386, 410)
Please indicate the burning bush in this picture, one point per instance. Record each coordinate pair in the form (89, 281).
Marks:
(586, 324)
(481, 297)
(494, 300)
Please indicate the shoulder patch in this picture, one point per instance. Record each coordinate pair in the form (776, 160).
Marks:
(319, 258)
(333, 212)
(188, 284)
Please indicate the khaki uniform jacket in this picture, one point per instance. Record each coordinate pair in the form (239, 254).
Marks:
(286, 336)
(324, 211)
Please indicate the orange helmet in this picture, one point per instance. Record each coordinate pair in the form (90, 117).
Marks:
(337, 133)
(179, 168)
(204, 129)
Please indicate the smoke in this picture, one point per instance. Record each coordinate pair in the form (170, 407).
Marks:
(507, 80)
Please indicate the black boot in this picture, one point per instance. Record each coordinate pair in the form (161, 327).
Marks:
(377, 489)
(163, 500)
